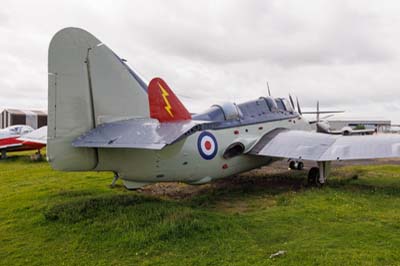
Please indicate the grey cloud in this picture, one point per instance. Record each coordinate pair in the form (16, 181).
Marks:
(344, 53)
(261, 31)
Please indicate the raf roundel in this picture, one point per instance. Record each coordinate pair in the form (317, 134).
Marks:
(207, 145)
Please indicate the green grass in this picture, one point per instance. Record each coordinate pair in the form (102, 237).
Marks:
(57, 218)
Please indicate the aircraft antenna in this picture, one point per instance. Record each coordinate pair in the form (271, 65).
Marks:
(269, 92)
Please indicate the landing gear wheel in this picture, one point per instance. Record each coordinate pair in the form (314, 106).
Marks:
(292, 165)
(300, 166)
(313, 177)
(4, 154)
(37, 157)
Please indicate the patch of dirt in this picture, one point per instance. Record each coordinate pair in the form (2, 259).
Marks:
(275, 177)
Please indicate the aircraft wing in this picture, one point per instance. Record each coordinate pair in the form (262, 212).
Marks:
(315, 146)
(10, 146)
(141, 133)
(37, 136)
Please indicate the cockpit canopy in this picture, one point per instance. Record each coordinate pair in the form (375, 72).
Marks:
(229, 110)
(17, 130)
(284, 104)
(271, 103)
(256, 109)
(221, 112)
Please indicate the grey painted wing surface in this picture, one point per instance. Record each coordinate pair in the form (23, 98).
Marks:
(363, 147)
(38, 136)
(324, 147)
(135, 133)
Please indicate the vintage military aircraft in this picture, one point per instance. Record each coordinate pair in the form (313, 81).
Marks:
(104, 117)
(22, 138)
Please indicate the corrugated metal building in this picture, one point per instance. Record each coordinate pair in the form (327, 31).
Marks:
(33, 118)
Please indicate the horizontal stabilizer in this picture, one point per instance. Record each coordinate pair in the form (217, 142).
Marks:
(137, 133)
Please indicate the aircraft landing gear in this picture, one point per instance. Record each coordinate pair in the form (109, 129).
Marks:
(317, 175)
(4, 154)
(116, 177)
(294, 165)
(37, 156)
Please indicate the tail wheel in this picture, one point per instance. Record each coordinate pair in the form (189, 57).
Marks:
(292, 165)
(313, 177)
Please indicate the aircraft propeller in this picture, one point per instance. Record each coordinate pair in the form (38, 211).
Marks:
(291, 101)
(298, 106)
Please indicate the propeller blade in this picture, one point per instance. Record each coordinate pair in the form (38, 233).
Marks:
(327, 116)
(298, 106)
(291, 101)
(317, 111)
(323, 112)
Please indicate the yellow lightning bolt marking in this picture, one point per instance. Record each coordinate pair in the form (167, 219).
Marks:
(165, 94)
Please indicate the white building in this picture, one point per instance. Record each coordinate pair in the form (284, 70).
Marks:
(33, 118)
(381, 125)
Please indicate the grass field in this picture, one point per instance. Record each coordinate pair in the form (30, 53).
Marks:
(56, 218)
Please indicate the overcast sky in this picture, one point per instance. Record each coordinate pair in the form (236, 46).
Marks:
(344, 53)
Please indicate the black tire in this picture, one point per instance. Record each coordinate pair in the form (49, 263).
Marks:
(292, 165)
(3, 154)
(300, 166)
(313, 176)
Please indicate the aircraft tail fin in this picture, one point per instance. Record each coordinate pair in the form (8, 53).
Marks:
(164, 104)
(88, 85)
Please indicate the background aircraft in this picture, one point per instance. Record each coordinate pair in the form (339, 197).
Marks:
(323, 126)
(103, 117)
(22, 138)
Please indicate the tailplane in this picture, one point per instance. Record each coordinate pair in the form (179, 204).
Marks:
(88, 85)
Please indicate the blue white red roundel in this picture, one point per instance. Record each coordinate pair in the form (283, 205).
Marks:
(207, 145)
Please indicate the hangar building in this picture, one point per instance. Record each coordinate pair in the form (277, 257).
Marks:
(33, 118)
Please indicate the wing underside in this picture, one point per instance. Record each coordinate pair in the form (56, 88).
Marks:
(314, 146)
(10, 146)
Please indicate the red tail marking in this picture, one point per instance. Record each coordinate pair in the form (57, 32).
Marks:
(164, 105)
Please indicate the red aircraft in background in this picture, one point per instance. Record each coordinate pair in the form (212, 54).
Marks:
(22, 138)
